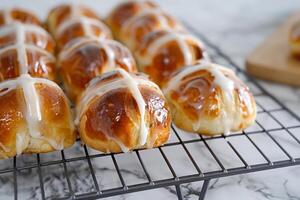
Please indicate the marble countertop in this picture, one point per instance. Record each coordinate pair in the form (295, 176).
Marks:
(236, 27)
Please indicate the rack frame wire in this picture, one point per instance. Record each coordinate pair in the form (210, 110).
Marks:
(176, 181)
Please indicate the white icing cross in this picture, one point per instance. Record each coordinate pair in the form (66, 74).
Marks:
(180, 38)
(86, 22)
(11, 28)
(144, 12)
(104, 44)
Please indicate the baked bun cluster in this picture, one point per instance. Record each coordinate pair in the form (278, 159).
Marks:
(86, 49)
(116, 108)
(160, 43)
(85, 58)
(35, 114)
(204, 98)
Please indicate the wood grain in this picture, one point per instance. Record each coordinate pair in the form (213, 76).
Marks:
(272, 60)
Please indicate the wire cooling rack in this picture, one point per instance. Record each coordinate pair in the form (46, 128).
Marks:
(82, 173)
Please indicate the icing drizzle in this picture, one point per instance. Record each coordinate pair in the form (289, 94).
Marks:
(220, 79)
(133, 86)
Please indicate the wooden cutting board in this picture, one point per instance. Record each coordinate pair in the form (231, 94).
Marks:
(272, 60)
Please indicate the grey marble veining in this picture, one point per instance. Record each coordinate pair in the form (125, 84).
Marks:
(236, 27)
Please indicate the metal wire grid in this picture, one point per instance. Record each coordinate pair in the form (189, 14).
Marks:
(37, 166)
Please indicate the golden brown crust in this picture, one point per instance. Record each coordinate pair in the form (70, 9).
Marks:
(82, 60)
(77, 30)
(38, 38)
(57, 124)
(62, 13)
(124, 12)
(169, 55)
(200, 105)
(56, 127)
(45, 42)
(40, 63)
(12, 122)
(135, 30)
(18, 15)
(112, 120)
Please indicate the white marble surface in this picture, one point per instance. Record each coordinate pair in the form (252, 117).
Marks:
(236, 27)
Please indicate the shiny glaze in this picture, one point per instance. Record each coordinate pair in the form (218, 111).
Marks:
(62, 13)
(80, 27)
(163, 52)
(136, 28)
(31, 34)
(125, 11)
(198, 95)
(12, 120)
(29, 128)
(36, 62)
(83, 59)
(57, 126)
(112, 112)
(9, 16)
(201, 95)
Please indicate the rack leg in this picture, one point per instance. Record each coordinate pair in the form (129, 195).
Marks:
(204, 189)
(15, 179)
(179, 194)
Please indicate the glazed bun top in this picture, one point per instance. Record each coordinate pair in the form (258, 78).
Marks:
(68, 22)
(125, 11)
(83, 59)
(62, 14)
(26, 59)
(9, 16)
(135, 29)
(163, 52)
(17, 33)
(81, 27)
(207, 90)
